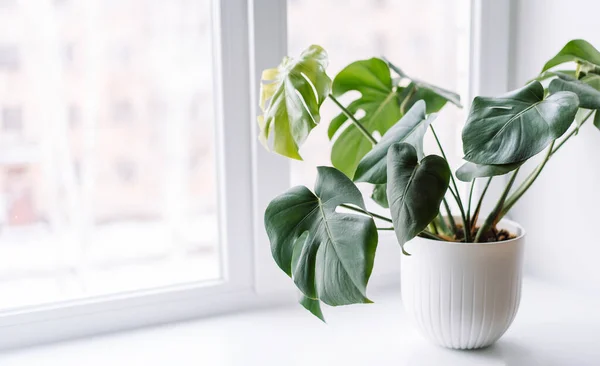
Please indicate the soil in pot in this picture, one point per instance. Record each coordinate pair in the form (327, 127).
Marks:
(491, 236)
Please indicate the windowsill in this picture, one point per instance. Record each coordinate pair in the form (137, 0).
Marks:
(554, 326)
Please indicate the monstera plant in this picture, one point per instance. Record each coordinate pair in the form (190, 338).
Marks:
(325, 239)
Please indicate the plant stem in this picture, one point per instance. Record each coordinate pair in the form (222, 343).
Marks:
(433, 227)
(450, 217)
(374, 215)
(572, 133)
(466, 227)
(410, 90)
(428, 235)
(478, 207)
(526, 183)
(442, 224)
(494, 216)
(523, 187)
(358, 125)
(469, 203)
(385, 228)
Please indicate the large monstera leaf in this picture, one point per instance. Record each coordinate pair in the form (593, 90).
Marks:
(576, 50)
(415, 189)
(410, 129)
(379, 102)
(328, 254)
(290, 98)
(516, 126)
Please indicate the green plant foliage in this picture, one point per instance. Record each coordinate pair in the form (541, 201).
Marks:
(415, 189)
(588, 96)
(290, 98)
(328, 254)
(312, 305)
(469, 171)
(410, 129)
(517, 125)
(428, 90)
(577, 50)
(550, 74)
(379, 195)
(592, 80)
(378, 102)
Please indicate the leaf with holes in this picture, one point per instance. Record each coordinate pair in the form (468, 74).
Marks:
(328, 254)
(379, 103)
(410, 129)
(415, 189)
(290, 98)
(516, 126)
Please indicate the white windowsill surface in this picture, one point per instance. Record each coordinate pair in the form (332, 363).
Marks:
(555, 326)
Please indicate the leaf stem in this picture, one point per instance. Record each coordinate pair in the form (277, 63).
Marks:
(494, 216)
(372, 214)
(523, 187)
(478, 207)
(450, 217)
(412, 89)
(443, 227)
(466, 226)
(510, 202)
(469, 203)
(428, 235)
(358, 125)
(385, 228)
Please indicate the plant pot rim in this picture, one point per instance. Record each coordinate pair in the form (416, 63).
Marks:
(506, 224)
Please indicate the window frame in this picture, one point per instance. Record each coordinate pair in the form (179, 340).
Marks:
(249, 36)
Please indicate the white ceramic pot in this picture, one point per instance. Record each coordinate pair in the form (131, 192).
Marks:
(463, 295)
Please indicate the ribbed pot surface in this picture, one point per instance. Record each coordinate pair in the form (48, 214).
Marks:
(463, 295)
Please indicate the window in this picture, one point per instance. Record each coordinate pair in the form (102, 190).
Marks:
(12, 120)
(10, 58)
(139, 183)
(89, 208)
(122, 111)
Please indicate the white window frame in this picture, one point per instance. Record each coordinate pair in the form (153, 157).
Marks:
(250, 35)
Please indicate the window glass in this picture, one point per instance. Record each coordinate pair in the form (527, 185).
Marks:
(107, 162)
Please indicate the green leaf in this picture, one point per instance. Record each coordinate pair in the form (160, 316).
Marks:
(517, 125)
(410, 129)
(588, 96)
(429, 90)
(581, 116)
(415, 190)
(312, 305)
(290, 98)
(551, 74)
(379, 103)
(433, 101)
(328, 254)
(379, 195)
(469, 171)
(576, 50)
(597, 120)
(592, 80)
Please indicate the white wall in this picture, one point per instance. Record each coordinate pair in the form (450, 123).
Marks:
(561, 212)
